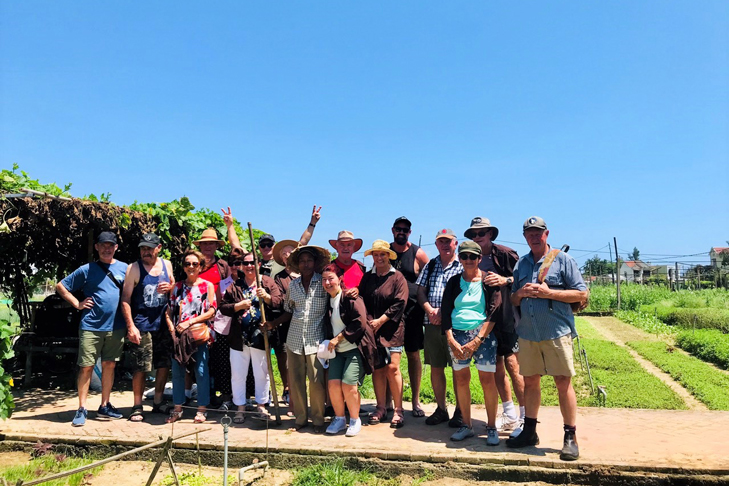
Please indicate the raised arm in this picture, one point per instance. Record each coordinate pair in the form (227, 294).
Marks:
(232, 235)
(309, 231)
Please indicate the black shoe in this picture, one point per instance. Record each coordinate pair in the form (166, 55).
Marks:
(438, 417)
(570, 451)
(329, 411)
(457, 421)
(525, 439)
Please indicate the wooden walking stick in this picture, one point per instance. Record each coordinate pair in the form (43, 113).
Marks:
(274, 393)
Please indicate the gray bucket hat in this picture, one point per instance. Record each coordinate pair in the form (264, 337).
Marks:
(478, 223)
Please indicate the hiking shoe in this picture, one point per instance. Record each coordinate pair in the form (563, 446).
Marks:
(492, 436)
(464, 432)
(355, 425)
(570, 451)
(108, 411)
(518, 429)
(504, 423)
(438, 417)
(524, 439)
(338, 424)
(456, 422)
(80, 418)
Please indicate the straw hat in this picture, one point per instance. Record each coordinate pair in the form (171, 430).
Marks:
(210, 235)
(381, 245)
(278, 248)
(323, 257)
(345, 235)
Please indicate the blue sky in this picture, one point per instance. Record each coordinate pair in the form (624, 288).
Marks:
(605, 118)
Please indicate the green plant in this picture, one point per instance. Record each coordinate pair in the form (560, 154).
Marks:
(646, 322)
(7, 332)
(13, 181)
(707, 344)
(690, 317)
(50, 464)
(706, 383)
(331, 474)
(196, 478)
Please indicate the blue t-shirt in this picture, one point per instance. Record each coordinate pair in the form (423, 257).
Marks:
(92, 279)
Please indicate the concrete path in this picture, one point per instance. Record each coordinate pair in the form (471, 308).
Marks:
(632, 440)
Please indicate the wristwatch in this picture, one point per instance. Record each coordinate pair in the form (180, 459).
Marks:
(482, 339)
(509, 280)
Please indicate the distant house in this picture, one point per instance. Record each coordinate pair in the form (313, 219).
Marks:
(634, 271)
(717, 254)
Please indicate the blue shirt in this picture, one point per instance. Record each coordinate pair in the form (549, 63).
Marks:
(469, 309)
(538, 321)
(92, 279)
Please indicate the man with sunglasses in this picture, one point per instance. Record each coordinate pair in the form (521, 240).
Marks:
(546, 329)
(498, 263)
(410, 260)
(144, 300)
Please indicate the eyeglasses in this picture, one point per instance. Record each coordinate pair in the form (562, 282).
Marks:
(468, 256)
(268, 244)
(482, 233)
(398, 229)
(191, 264)
(247, 264)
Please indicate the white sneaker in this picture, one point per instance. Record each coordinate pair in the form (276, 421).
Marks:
(354, 427)
(518, 429)
(492, 436)
(338, 424)
(504, 423)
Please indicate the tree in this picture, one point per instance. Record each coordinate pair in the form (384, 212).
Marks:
(598, 266)
(634, 255)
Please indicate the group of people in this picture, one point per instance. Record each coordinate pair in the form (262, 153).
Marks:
(333, 321)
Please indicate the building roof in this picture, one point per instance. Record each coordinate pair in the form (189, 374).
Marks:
(719, 249)
(637, 265)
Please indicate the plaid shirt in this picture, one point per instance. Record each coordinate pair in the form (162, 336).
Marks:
(307, 327)
(437, 281)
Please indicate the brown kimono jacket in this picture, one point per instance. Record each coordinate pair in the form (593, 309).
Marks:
(386, 295)
(356, 331)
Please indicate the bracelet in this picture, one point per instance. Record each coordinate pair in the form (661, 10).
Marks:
(312, 225)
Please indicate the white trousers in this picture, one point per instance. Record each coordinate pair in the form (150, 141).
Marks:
(239, 361)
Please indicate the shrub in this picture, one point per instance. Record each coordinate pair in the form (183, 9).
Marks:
(708, 344)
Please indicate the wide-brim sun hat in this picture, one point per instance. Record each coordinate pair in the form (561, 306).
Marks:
(478, 223)
(210, 235)
(381, 245)
(278, 248)
(322, 254)
(345, 235)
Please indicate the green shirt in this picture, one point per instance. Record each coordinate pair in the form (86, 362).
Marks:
(469, 310)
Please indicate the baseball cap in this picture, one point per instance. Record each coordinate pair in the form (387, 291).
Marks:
(469, 247)
(403, 219)
(107, 237)
(266, 237)
(534, 222)
(445, 233)
(149, 239)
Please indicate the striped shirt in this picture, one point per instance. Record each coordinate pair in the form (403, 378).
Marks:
(307, 327)
(539, 320)
(436, 282)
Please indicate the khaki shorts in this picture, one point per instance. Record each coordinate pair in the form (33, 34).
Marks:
(105, 344)
(437, 354)
(154, 351)
(553, 357)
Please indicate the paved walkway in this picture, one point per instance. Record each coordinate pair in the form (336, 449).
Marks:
(632, 440)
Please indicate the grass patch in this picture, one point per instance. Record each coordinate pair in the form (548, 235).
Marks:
(690, 317)
(647, 322)
(195, 478)
(706, 383)
(709, 345)
(47, 465)
(332, 474)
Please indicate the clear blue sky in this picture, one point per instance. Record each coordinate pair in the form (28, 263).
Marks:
(605, 118)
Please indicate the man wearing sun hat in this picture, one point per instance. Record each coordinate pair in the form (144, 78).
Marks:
(352, 270)
(546, 329)
(498, 264)
(216, 269)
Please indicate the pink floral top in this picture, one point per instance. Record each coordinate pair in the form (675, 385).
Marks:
(189, 302)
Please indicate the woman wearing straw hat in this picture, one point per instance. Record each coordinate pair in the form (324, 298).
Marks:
(385, 293)
(305, 305)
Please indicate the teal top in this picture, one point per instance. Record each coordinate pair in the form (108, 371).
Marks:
(469, 310)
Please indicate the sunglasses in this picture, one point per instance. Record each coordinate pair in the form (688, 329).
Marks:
(191, 264)
(468, 256)
(482, 233)
(401, 230)
(266, 245)
(247, 264)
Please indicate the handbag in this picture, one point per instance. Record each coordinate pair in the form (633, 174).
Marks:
(199, 333)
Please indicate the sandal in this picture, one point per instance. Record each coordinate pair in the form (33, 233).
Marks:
(137, 414)
(239, 418)
(397, 419)
(377, 416)
(200, 417)
(418, 412)
(175, 415)
(162, 407)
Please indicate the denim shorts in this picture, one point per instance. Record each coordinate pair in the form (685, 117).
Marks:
(395, 349)
(484, 356)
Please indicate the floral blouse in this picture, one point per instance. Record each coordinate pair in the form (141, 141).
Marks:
(189, 302)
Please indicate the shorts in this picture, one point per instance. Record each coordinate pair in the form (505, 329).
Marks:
(437, 354)
(153, 351)
(107, 345)
(507, 343)
(347, 367)
(395, 349)
(414, 338)
(552, 357)
(485, 355)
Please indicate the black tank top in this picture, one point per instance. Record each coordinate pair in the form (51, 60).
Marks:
(406, 264)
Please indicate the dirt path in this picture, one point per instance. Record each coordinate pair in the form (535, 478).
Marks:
(619, 333)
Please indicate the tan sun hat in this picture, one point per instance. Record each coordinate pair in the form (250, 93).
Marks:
(278, 248)
(381, 245)
(345, 235)
(478, 223)
(322, 255)
(210, 235)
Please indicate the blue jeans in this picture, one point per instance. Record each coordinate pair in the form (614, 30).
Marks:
(202, 376)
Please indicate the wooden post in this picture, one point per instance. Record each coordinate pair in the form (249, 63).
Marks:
(610, 254)
(274, 393)
(675, 277)
(162, 456)
(617, 268)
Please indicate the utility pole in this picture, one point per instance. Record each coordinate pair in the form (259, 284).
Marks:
(617, 268)
(675, 277)
(610, 254)
(698, 276)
